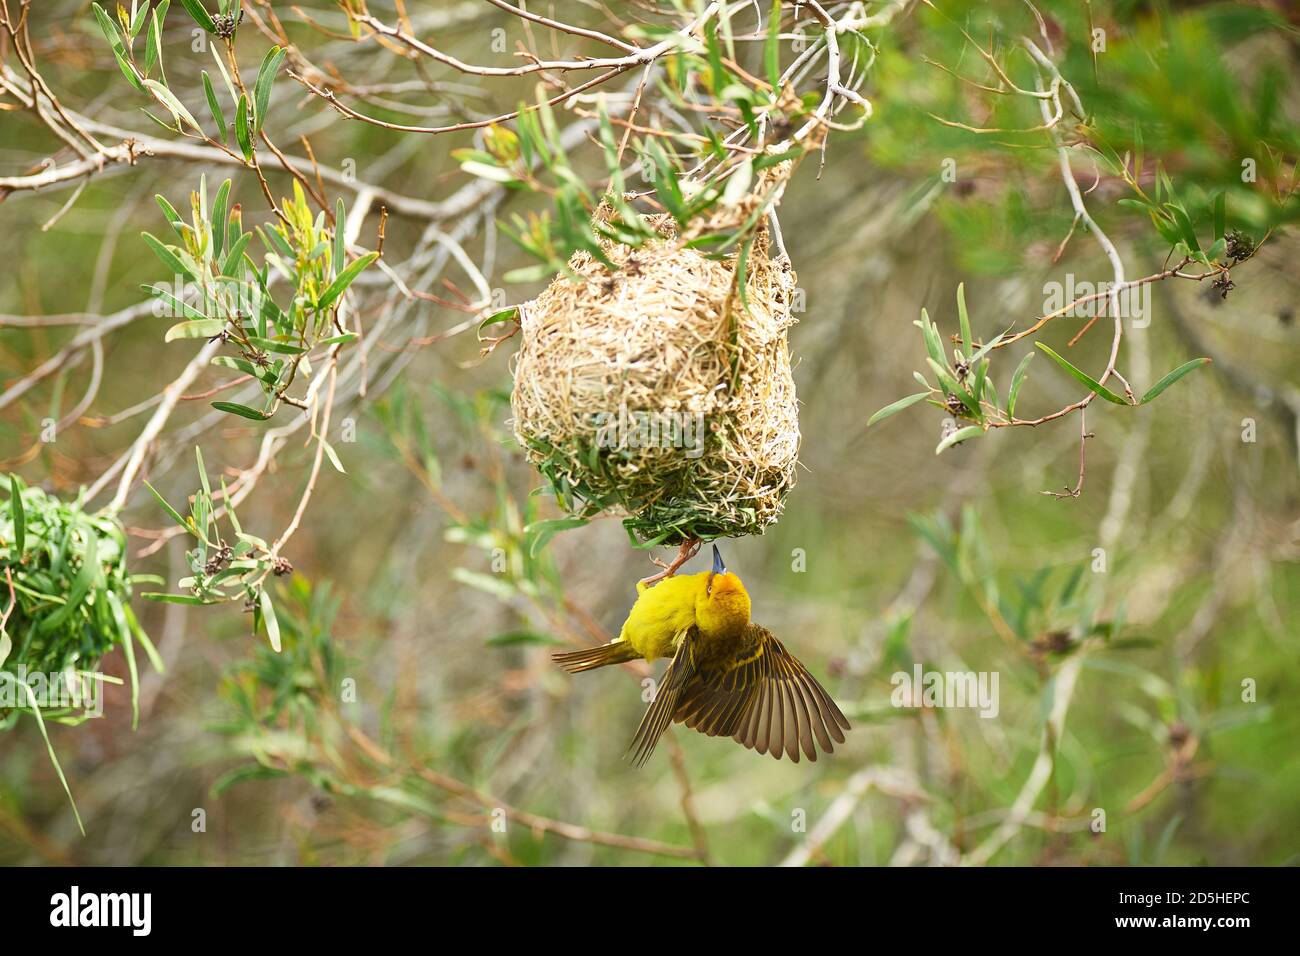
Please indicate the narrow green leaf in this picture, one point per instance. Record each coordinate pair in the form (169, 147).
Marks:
(1185, 229)
(1168, 231)
(1220, 215)
(218, 219)
(175, 304)
(153, 47)
(203, 472)
(230, 508)
(667, 188)
(243, 411)
(333, 456)
(150, 651)
(128, 649)
(542, 532)
(895, 407)
(269, 618)
(275, 242)
(991, 391)
(931, 335)
(772, 159)
(189, 599)
(173, 217)
(961, 434)
(946, 381)
(518, 638)
(172, 512)
(19, 517)
(169, 258)
(174, 105)
(1163, 180)
(344, 279)
(262, 88)
(336, 339)
(1017, 380)
(340, 235)
(405, 800)
(90, 572)
(717, 72)
(1083, 377)
(510, 314)
(985, 349)
(977, 389)
(218, 118)
(1129, 203)
(233, 255)
(109, 28)
(964, 318)
(241, 128)
(495, 174)
(267, 375)
(49, 748)
(195, 329)
(129, 72)
(200, 15)
(213, 48)
(772, 50)
(280, 348)
(243, 774)
(1172, 377)
(138, 23)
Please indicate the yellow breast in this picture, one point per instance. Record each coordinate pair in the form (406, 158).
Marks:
(662, 614)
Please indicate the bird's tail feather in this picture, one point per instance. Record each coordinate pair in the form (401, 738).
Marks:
(589, 658)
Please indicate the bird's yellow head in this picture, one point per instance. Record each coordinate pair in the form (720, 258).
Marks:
(722, 605)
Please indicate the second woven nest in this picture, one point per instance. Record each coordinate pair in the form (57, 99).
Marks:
(654, 391)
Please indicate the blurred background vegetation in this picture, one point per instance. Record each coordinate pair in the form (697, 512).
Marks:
(413, 704)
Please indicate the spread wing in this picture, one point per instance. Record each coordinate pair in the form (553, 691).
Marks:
(762, 698)
(678, 676)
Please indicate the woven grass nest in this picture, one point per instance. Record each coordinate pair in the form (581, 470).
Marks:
(653, 391)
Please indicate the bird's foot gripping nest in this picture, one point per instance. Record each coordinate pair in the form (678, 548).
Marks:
(689, 549)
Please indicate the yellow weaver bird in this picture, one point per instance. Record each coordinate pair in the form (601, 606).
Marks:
(728, 677)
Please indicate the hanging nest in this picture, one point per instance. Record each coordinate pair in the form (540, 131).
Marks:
(652, 389)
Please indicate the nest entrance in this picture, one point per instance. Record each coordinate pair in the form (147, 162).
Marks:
(654, 391)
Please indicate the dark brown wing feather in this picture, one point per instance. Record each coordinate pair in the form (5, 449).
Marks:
(764, 699)
(676, 679)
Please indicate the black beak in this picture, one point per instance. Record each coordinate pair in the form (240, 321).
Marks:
(718, 566)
